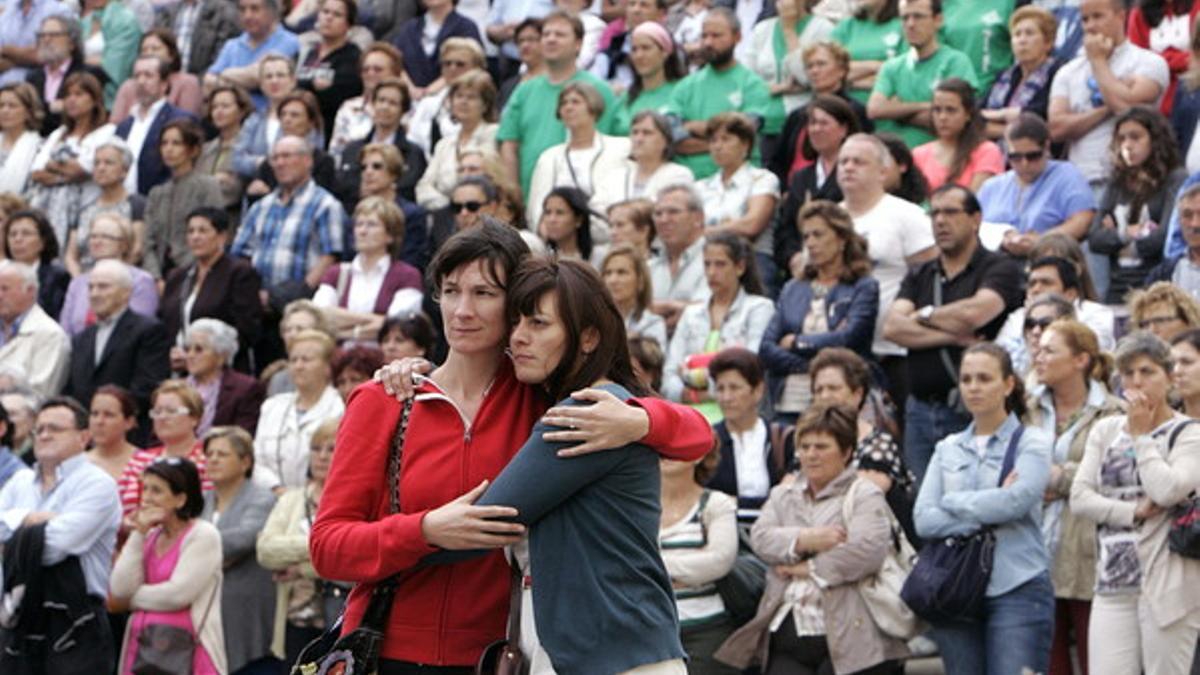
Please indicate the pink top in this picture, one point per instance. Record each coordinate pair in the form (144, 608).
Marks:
(987, 157)
(158, 570)
(184, 93)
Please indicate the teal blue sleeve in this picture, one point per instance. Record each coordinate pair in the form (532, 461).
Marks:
(510, 120)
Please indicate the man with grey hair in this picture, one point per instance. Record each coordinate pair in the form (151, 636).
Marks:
(59, 55)
(677, 272)
(29, 338)
(1183, 269)
(19, 23)
(295, 232)
(898, 235)
(239, 58)
(123, 347)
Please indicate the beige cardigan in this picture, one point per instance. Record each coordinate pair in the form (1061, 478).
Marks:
(195, 582)
(1167, 480)
(282, 543)
(855, 642)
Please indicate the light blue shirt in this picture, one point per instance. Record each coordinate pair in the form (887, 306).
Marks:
(1059, 193)
(516, 11)
(960, 496)
(1175, 245)
(87, 514)
(239, 52)
(18, 29)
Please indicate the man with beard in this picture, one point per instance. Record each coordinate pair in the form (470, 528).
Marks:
(60, 53)
(946, 304)
(19, 22)
(722, 85)
(528, 125)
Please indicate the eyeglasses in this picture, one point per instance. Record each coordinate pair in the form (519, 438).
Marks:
(1034, 156)
(163, 413)
(1031, 323)
(50, 429)
(374, 166)
(42, 35)
(471, 206)
(168, 460)
(1148, 322)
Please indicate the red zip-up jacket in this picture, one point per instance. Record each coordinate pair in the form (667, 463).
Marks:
(442, 615)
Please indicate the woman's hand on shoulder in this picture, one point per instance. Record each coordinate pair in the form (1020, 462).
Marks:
(399, 378)
(608, 423)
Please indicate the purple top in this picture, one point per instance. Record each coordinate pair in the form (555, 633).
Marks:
(143, 300)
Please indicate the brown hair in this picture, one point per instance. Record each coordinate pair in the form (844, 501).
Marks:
(311, 107)
(641, 212)
(972, 134)
(852, 366)
(477, 82)
(836, 108)
(706, 468)
(390, 215)
(1047, 25)
(839, 421)
(645, 292)
(393, 161)
(397, 84)
(190, 397)
(387, 49)
(189, 131)
(165, 36)
(1015, 402)
(856, 264)
(649, 355)
(744, 361)
(595, 102)
(28, 97)
(735, 124)
(1082, 340)
(238, 438)
(1163, 292)
(88, 84)
(244, 104)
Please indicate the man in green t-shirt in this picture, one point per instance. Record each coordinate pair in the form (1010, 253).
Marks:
(529, 124)
(722, 85)
(901, 100)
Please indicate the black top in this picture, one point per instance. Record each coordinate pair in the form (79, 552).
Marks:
(804, 188)
(343, 63)
(927, 376)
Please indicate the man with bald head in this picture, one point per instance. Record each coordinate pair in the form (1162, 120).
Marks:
(123, 347)
(295, 232)
(29, 338)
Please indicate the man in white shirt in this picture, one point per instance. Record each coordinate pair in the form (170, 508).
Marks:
(141, 130)
(898, 236)
(29, 338)
(677, 273)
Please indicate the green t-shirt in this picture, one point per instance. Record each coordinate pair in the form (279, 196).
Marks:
(707, 92)
(529, 118)
(867, 40)
(912, 80)
(655, 99)
(979, 29)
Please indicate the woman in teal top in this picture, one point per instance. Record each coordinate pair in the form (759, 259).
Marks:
(111, 35)
(873, 35)
(776, 46)
(656, 69)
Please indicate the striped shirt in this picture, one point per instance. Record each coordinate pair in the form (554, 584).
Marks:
(697, 551)
(285, 239)
(129, 486)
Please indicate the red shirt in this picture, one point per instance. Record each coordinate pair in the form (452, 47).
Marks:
(129, 486)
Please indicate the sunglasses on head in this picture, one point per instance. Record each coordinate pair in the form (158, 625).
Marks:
(471, 206)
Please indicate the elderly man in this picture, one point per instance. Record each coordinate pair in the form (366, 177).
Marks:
(29, 338)
(677, 272)
(19, 23)
(143, 128)
(296, 231)
(123, 347)
(238, 61)
(1183, 269)
(69, 508)
(59, 53)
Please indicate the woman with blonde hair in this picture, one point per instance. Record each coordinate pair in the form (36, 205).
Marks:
(472, 103)
(432, 116)
(1163, 309)
(1072, 396)
(627, 277)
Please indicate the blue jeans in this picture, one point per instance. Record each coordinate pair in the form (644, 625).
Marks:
(926, 423)
(1014, 633)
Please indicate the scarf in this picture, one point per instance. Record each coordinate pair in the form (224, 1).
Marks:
(15, 172)
(1027, 89)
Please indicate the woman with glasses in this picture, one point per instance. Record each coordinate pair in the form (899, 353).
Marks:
(360, 295)
(111, 238)
(329, 66)
(175, 411)
(472, 104)
(229, 397)
(1164, 309)
(239, 507)
(113, 160)
(169, 203)
(305, 604)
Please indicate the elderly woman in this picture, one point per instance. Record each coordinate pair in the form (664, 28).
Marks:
(432, 118)
(833, 305)
(1072, 397)
(29, 239)
(1135, 468)
(227, 109)
(776, 46)
(298, 315)
(656, 69)
(111, 238)
(627, 278)
(1025, 85)
(230, 397)
(305, 604)
(406, 336)
(345, 292)
(287, 421)
(169, 203)
(699, 541)
(239, 508)
(472, 104)
(807, 532)
(380, 61)
(112, 162)
(584, 158)
(649, 167)
(1163, 309)
(735, 315)
(964, 491)
(21, 116)
(183, 88)
(328, 67)
(61, 171)
(740, 198)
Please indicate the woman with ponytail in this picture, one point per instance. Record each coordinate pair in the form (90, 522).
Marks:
(1072, 395)
(961, 153)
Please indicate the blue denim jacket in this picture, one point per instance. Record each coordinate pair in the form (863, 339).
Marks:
(959, 496)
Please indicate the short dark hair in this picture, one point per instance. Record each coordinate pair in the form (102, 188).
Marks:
(837, 108)
(1015, 403)
(129, 407)
(362, 358)
(181, 477)
(498, 246)
(351, 10)
(1067, 273)
(560, 15)
(162, 66)
(577, 201)
(189, 130)
(1030, 127)
(216, 217)
(416, 327)
(969, 201)
(81, 414)
(744, 361)
(854, 369)
(839, 421)
(167, 37)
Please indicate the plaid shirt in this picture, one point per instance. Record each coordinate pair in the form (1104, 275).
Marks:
(185, 24)
(283, 240)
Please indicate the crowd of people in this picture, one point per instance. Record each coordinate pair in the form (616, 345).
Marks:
(702, 309)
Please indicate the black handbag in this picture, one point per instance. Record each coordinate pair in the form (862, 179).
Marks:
(168, 650)
(950, 578)
(358, 651)
(504, 657)
(1184, 536)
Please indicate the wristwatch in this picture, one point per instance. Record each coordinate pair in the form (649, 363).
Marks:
(925, 315)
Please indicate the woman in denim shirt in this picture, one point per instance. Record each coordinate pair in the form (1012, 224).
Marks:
(960, 497)
(834, 305)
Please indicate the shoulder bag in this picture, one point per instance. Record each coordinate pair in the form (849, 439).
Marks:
(504, 657)
(358, 651)
(1184, 535)
(881, 591)
(169, 650)
(950, 579)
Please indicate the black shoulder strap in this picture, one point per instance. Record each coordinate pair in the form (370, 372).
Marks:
(779, 436)
(1176, 431)
(1010, 455)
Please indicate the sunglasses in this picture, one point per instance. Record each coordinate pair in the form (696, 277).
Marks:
(1026, 156)
(1031, 323)
(1150, 321)
(471, 206)
(375, 166)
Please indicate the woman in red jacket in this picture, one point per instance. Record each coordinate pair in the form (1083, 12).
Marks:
(469, 419)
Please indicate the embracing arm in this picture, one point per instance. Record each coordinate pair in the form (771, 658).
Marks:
(1168, 481)
(998, 505)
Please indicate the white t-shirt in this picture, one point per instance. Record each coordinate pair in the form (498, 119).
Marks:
(895, 230)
